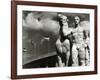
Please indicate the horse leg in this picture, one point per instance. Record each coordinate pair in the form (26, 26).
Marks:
(66, 50)
(59, 53)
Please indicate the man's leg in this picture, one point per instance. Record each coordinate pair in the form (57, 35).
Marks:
(82, 56)
(87, 57)
(74, 55)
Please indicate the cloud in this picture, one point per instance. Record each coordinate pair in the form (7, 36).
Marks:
(50, 26)
(46, 23)
(31, 22)
(85, 25)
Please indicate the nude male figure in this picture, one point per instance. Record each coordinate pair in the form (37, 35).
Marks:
(78, 49)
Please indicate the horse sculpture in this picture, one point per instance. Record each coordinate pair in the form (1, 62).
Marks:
(63, 43)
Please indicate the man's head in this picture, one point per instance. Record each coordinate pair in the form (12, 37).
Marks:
(77, 19)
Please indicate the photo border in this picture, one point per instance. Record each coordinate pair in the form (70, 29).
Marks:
(14, 38)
